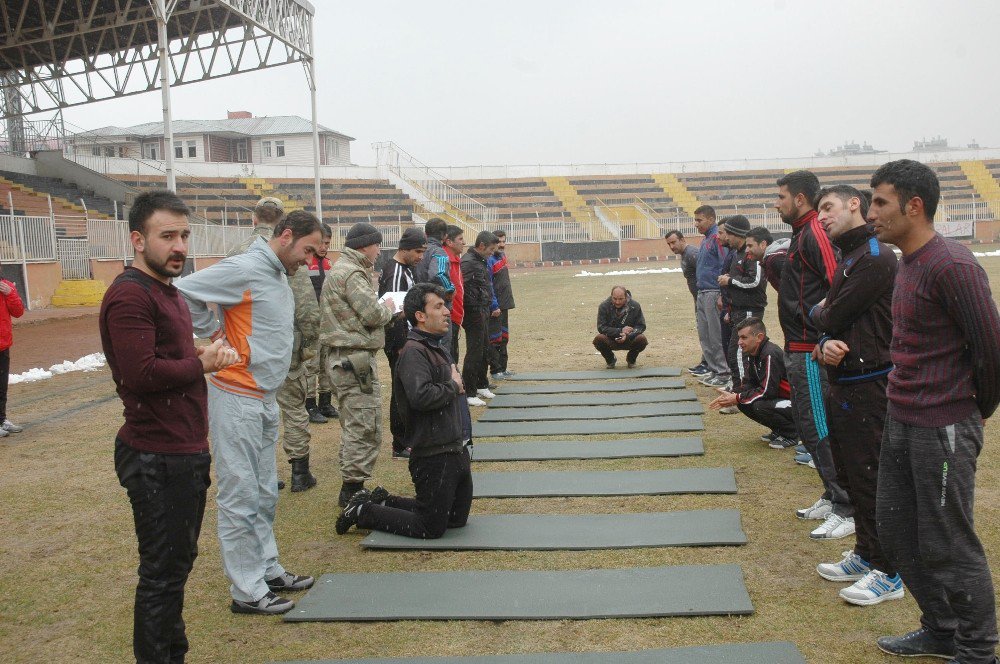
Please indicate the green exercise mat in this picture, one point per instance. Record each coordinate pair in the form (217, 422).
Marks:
(598, 374)
(545, 450)
(591, 398)
(603, 483)
(777, 652)
(585, 427)
(591, 412)
(688, 590)
(578, 532)
(609, 386)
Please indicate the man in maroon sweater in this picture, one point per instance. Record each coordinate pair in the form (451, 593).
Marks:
(161, 452)
(946, 381)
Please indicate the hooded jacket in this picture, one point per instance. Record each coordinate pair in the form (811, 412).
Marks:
(747, 285)
(858, 308)
(766, 377)
(812, 262)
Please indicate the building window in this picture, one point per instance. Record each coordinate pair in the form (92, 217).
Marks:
(192, 148)
(109, 151)
(241, 151)
(151, 151)
(279, 148)
(265, 148)
(178, 150)
(96, 151)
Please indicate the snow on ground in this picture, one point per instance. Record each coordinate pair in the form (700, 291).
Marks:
(91, 362)
(616, 273)
(982, 254)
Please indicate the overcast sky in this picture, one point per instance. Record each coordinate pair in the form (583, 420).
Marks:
(514, 82)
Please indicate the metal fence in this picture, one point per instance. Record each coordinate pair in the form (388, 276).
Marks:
(74, 258)
(26, 239)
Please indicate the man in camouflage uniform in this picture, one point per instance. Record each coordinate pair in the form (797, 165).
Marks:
(353, 331)
(323, 411)
(266, 214)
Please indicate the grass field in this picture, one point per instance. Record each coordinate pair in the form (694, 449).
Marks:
(69, 554)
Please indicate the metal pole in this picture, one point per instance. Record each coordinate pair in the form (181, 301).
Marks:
(24, 261)
(168, 130)
(311, 76)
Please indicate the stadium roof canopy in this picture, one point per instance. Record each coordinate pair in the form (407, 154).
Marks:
(61, 53)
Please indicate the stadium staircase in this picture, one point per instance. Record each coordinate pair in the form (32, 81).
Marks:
(575, 204)
(636, 220)
(677, 191)
(260, 188)
(984, 183)
(63, 194)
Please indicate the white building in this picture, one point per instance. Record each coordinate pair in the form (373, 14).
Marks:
(241, 138)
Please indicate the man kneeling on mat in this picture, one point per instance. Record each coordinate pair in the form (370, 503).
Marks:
(765, 396)
(429, 396)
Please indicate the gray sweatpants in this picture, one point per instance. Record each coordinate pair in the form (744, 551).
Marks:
(710, 332)
(924, 505)
(244, 435)
(809, 389)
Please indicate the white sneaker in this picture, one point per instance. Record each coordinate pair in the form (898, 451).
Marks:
(476, 401)
(852, 568)
(10, 427)
(874, 587)
(834, 527)
(817, 510)
(484, 393)
(3, 433)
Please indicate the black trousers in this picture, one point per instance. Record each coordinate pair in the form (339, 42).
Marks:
(855, 414)
(451, 342)
(605, 345)
(474, 367)
(726, 336)
(926, 487)
(443, 484)
(766, 412)
(395, 420)
(4, 380)
(167, 492)
(499, 336)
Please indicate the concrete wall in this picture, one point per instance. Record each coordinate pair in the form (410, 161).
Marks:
(14, 164)
(52, 164)
(106, 271)
(43, 280)
(644, 248)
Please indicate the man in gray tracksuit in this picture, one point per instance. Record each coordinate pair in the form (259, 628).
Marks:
(257, 320)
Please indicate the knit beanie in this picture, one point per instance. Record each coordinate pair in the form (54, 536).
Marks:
(362, 235)
(412, 238)
(737, 225)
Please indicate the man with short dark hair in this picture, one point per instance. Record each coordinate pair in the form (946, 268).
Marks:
(945, 382)
(435, 268)
(430, 395)
(479, 304)
(321, 411)
(771, 254)
(764, 395)
(711, 256)
(746, 286)
(266, 214)
(454, 246)
(397, 277)
(805, 280)
(161, 451)
(620, 326)
(688, 254)
(504, 295)
(855, 324)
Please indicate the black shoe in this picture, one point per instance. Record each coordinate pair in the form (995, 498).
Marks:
(401, 454)
(302, 479)
(349, 517)
(289, 581)
(782, 443)
(918, 643)
(268, 605)
(326, 408)
(379, 495)
(611, 363)
(281, 485)
(348, 490)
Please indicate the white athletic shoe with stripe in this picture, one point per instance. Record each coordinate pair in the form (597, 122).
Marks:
(852, 568)
(874, 587)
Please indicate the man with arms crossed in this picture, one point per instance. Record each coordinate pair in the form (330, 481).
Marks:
(855, 323)
(711, 256)
(945, 382)
(805, 280)
(257, 320)
(689, 268)
(161, 452)
(430, 401)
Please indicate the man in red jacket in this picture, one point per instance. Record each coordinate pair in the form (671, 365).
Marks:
(10, 307)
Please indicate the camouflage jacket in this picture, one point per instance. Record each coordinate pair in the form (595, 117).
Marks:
(306, 329)
(260, 230)
(350, 314)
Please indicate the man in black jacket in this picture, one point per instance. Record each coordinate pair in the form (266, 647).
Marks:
(430, 392)
(855, 321)
(764, 395)
(479, 306)
(504, 296)
(746, 288)
(620, 326)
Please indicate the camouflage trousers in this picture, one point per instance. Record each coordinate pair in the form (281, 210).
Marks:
(294, 416)
(316, 372)
(360, 417)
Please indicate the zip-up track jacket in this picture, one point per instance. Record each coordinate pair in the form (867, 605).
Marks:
(812, 262)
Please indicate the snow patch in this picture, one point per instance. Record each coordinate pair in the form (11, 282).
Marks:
(982, 254)
(91, 362)
(617, 273)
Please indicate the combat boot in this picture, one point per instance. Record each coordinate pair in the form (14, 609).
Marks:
(348, 490)
(325, 407)
(315, 416)
(302, 479)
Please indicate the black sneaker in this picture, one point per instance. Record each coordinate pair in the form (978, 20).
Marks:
(268, 605)
(918, 643)
(611, 364)
(401, 454)
(782, 443)
(379, 494)
(699, 370)
(349, 517)
(288, 581)
(768, 437)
